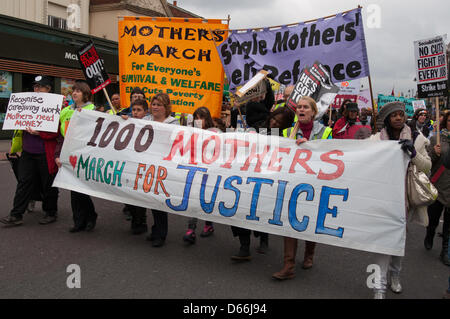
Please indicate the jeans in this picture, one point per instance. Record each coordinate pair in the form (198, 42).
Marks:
(393, 264)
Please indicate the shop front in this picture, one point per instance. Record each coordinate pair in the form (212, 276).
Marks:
(29, 49)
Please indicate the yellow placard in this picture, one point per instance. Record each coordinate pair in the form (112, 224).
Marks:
(173, 56)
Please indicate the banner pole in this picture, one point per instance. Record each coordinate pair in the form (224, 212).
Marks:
(438, 135)
(109, 101)
(291, 24)
(294, 130)
(374, 130)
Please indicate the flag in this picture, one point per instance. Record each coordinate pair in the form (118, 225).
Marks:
(392, 93)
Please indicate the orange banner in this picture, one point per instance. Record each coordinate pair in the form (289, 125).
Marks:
(173, 56)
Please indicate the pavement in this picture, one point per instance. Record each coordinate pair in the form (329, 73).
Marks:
(4, 148)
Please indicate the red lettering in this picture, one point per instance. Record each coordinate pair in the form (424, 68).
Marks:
(162, 174)
(138, 175)
(339, 164)
(275, 159)
(302, 161)
(259, 157)
(216, 149)
(148, 185)
(235, 144)
(191, 146)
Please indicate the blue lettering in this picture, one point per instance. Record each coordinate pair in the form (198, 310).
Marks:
(208, 207)
(255, 195)
(278, 204)
(187, 189)
(228, 212)
(299, 226)
(324, 210)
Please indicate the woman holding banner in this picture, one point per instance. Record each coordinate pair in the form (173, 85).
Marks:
(83, 210)
(160, 112)
(414, 144)
(275, 123)
(36, 166)
(306, 129)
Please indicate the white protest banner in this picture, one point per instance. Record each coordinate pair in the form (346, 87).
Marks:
(431, 66)
(418, 104)
(322, 191)
(252, 83)
(257, 91)
(349, 87)
(38, 111)
(364, 99)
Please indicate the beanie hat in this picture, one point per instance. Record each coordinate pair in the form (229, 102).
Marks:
(389, 108)
(352, 106)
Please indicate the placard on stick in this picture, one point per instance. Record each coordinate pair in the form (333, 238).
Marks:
(314, 82)
(431, 67)
(93, 67)
(38, 111)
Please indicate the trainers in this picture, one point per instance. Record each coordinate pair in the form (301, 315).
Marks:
(47, 219)
(189, 236)
(207, 231)
(11, 221)
(395, 284)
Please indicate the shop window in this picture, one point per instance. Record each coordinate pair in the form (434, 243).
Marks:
(6, 80)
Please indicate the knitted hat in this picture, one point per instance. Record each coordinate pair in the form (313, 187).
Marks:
(352, 106)
(389, 108)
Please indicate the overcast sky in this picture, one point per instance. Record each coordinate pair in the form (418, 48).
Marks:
(390, 47)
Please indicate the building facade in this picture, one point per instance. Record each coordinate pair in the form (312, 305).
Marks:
(42, 37)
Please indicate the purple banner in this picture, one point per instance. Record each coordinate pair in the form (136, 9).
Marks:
(337, 42)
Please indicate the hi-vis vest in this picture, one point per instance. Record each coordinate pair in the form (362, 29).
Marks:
(66, 115)
(16, 142)
(324, 133)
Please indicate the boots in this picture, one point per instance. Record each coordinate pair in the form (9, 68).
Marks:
(263, 243)
(309, 254)
(290, 251)
(444, 251)
(428, 242)
(244, 250)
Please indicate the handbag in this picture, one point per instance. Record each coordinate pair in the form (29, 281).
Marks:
(420, 191)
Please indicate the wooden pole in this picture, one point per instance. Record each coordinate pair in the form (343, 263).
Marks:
(438, 135)
(295, 130)
(109, 101)
(374, 130)
(287, 25)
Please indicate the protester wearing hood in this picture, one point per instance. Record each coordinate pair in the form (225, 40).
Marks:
(392, 115)
(349, 126)
(267, 103)
(420, 122)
